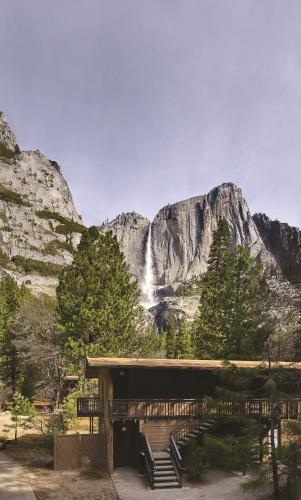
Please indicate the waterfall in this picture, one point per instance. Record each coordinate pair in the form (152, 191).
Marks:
(148, 299)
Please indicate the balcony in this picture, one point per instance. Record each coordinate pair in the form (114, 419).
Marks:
(122, 409)
(90, 407)
(155, 408)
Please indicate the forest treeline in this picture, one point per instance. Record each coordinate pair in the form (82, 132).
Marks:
(96, 312)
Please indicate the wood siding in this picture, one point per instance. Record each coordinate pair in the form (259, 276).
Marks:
(67, 452)
(158, 432)
(72, 451)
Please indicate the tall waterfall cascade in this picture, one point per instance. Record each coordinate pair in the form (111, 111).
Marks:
(148, 289)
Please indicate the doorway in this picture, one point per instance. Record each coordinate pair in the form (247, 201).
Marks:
(125, 439)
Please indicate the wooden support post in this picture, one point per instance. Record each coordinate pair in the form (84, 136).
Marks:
(279, 432)
(108, 427)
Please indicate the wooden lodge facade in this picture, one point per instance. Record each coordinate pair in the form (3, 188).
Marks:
(148, 409)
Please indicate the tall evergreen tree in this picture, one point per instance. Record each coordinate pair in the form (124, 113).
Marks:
(11, 296)
(98, 301)
(232, 321)
(246, 325)
(170, 338)
(209, 323)
(184, 348)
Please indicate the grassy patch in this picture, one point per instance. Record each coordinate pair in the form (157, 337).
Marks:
(48, 214)
(12, 197)
(3, 217)
(190, 288)
(5, 152)
(52, 247)
(70, 227)
(4, 259)
(37, 266)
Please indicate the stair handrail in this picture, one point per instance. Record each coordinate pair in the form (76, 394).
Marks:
(185, 428)
(147, 454)
(176, 458)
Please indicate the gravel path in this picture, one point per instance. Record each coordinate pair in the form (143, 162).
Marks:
(14, 484)
(219, 486)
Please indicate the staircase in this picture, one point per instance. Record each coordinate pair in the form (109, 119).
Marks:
(165, 475)
(161, 468)
(191, 430)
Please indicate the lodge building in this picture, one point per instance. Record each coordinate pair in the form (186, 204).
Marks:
(148, 409)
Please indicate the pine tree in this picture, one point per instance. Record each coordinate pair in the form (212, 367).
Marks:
(11, 296)
(170, 339)
(246, 325)
(98, 301)
(209, 323)
(232, 322)
(184, 348)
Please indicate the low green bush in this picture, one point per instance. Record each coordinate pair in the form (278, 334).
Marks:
(5, 152)
(3, 217)
(12, 197)
(52, 247)
(37, 266)
(48, 214)
(70, 227)
(4, 259)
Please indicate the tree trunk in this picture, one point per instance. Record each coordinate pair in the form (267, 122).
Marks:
(274, 457)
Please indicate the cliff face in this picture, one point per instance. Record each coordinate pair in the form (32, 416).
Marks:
(182, 235)
(39, 228)
(7, 137)
(284, 243)
(39, 225)
(131, 230)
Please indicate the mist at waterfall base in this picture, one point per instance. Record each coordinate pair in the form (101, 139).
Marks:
(148, 290)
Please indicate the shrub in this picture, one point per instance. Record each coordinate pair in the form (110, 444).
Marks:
(53, 246)
(4, 259)
(5, 152)
(190, 288)
(55, 165)
(194, 462)
(48, 214)
(70, 227)
(3, 442)
(3, 217)
(12, 197)
(37, 266)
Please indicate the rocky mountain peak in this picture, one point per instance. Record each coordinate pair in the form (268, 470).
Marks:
(39, 225)
(182, 234)
(131, 230)
(7, 137)
(284, 242)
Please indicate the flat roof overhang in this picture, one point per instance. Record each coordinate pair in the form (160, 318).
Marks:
(94, 364)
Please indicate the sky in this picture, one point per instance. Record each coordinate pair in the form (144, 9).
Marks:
(149, 102)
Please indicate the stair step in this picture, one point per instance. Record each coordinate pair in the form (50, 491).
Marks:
(164, 468)
(161, 455)
(166, 479)
(164, 473)
(172, 484)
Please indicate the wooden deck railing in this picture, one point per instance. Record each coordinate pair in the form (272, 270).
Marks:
(155, 408)
(90, 407)
(187, 408)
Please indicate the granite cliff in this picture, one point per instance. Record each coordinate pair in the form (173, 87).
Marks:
(181, 238)
(39, 225)
(284, 243)
(182, 235)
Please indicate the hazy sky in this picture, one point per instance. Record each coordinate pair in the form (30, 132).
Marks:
(146, 102)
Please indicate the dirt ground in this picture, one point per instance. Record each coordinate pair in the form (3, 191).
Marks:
(49, 484)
